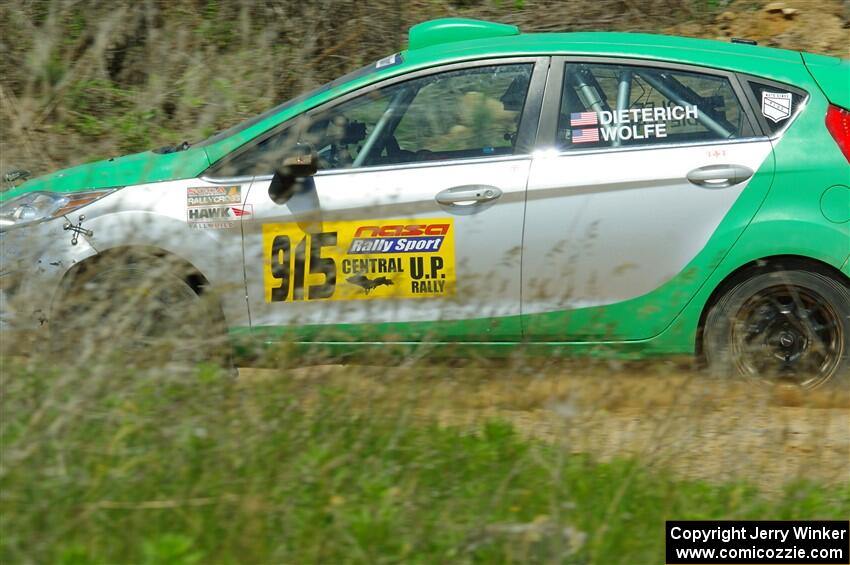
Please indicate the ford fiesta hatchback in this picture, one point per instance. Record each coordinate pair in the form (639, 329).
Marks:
(577, 192)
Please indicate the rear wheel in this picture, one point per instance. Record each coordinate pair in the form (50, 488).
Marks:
(789, 326)
(140, 311)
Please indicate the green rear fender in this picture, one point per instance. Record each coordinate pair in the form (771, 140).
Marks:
(789, 223)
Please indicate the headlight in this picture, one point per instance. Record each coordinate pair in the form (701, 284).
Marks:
(38, 206)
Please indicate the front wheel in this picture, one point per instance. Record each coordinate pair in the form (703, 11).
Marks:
(140, 311)
(788, 326)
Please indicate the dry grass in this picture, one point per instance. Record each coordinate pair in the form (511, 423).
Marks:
(369, 464)
(86, 80)
(665, 416)
(277, 463)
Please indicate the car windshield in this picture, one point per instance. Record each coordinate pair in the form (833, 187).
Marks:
(391, 61)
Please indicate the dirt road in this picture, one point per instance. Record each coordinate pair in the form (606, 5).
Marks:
(669, 418)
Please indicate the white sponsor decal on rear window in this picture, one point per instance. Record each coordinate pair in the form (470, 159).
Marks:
(633, 123)
(776, 106)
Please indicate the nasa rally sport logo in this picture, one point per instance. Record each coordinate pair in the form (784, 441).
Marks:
(415, 238)
(776, 106)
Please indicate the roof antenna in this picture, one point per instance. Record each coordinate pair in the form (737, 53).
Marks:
(744, 41)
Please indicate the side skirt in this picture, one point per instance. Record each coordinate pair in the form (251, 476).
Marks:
(289, 354)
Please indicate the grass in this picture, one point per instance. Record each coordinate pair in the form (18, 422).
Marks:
(128, 468)
(85, 81)
(120, 467)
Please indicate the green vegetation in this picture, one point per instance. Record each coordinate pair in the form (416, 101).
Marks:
(84, 81)
(122, 467)
(137, 468)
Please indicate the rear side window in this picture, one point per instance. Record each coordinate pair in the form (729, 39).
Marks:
(606, 105)
(776, 104)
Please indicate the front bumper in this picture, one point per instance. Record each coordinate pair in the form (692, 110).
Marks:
(33, 262)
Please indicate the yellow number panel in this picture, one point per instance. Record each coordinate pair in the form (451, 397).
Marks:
(358, 260)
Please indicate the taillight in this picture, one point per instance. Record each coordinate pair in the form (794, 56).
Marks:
(838, 124)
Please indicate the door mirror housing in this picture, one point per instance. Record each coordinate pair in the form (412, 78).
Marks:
(294, 174)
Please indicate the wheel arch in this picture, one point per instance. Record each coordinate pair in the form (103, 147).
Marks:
(193, 276)
(206, 316)
(759, 266)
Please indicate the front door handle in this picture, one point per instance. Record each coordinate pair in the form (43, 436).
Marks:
(719, 176)
(468, 195)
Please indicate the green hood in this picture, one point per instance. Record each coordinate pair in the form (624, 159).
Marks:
(118, 171)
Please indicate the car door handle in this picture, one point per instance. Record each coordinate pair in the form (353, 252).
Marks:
(468, 195)
(719, 176)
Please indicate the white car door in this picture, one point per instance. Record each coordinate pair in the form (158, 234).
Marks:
(647, 161)
(412, 228)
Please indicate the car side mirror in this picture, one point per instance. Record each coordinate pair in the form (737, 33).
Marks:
(304, 163)
(294, 174)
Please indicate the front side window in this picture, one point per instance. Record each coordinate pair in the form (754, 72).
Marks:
(606, 105)
(460, 114)
(467, 113)
(260, 158)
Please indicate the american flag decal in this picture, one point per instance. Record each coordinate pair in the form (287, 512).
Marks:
(583, 119)
(586, 135)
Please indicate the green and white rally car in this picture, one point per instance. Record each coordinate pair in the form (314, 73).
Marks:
(573, 192)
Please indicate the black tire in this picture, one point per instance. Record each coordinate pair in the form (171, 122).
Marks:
(140, 311)
(789, 326)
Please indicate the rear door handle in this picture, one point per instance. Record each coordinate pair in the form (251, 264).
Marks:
(468, 195)
(719, 176)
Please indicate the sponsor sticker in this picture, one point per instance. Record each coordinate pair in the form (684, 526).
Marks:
(216, 217)
(776, 106)
(211, 207)
(360, 260)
